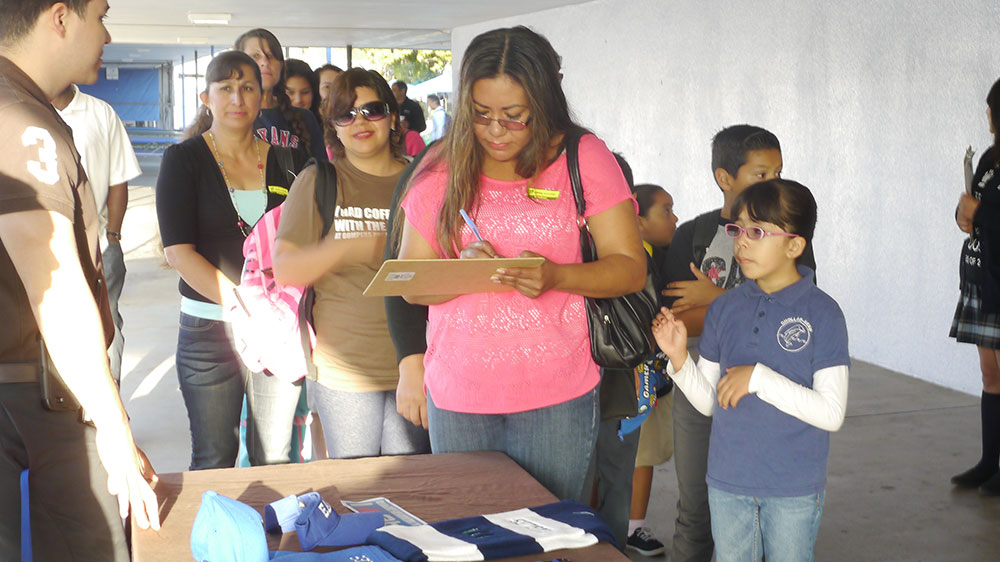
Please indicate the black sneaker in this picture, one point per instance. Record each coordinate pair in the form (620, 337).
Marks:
(992, 486)
(643, 542)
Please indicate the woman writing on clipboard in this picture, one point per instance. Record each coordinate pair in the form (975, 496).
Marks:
(512, 371)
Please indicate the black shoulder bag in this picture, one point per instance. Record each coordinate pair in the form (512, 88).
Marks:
(621, 328)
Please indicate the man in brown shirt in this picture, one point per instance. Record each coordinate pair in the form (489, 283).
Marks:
(52, 289)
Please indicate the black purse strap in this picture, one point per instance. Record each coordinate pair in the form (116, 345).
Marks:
(573, 164)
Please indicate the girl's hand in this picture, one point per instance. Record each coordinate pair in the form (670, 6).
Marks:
(967, 206)
(671, 336)
(478, 250)
(734, 386)
(529, 281)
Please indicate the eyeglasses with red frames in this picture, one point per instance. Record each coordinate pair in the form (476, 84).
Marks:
(734, 230)
(509, 124)
(371, 111)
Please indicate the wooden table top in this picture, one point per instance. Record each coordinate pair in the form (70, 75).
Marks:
(432, 487)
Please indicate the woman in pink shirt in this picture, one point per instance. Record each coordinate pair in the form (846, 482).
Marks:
(412, 141)
(512, 371)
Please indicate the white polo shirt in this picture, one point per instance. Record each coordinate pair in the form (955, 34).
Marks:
(105, 149)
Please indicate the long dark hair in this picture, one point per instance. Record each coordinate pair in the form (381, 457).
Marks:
(993, 102)
(296, 67)
(223, 67)
(293, 117)
(342, 96)
(528, 59)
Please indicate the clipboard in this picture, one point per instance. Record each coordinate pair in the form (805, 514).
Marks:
(442, 276)
(967, 167)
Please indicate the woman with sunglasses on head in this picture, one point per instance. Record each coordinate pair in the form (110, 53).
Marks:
(357, 373)
(211, 190)
(302, 87)
(512, 371)
(279, 123)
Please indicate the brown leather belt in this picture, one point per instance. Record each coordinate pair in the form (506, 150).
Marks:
(18, 372)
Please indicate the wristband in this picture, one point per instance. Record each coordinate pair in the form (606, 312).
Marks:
(115, 235)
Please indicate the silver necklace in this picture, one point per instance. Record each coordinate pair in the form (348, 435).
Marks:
(240, 223)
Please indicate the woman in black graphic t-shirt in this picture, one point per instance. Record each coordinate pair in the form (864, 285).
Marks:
(977, 318)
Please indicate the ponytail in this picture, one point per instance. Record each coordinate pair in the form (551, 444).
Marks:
(202, 122)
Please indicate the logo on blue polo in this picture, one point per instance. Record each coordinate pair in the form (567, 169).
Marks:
(794, 334)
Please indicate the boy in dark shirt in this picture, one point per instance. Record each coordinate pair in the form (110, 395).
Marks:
(409, 108)
(699, 267)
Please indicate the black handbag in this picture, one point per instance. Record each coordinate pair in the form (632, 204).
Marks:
(621, 328)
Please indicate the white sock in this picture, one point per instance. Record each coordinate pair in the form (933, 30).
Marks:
(634, 524)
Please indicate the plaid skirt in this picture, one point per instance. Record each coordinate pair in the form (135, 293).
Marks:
(971, 324)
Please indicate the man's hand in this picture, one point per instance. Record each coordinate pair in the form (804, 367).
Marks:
(734, 386)
(692, 294)
(148, 472)
(127, 471)
(48, 263)
(411, 401)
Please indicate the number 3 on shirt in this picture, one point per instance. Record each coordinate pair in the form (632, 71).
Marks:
(45, 167)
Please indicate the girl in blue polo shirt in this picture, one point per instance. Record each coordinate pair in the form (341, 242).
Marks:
(774, 360)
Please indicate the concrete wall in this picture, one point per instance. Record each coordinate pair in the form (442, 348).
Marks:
(874, 103)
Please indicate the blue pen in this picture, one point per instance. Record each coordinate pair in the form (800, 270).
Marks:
(472, 225)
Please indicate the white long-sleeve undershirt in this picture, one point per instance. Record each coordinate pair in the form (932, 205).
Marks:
(823, 405)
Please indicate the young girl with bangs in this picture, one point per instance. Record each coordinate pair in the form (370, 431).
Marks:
(773, 375)
(355, 361)
(512, 371)
(279, 123)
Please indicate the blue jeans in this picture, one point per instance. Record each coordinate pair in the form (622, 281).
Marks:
(746, 528)
(554, 444)
(213, 382)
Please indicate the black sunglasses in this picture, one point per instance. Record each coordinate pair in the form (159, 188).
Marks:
(371, 111)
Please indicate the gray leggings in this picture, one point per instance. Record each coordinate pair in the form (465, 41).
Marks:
(365, 424)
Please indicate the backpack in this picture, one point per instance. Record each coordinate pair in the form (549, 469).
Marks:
(270, 330)
(706, 225)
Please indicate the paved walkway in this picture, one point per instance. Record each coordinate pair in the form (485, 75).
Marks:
(888, 496)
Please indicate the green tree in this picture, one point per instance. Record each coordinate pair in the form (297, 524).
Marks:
(410, 66)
